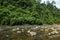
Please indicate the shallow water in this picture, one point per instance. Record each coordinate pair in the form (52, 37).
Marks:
(7, 33)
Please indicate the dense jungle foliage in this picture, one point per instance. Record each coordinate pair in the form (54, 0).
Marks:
(33, 12)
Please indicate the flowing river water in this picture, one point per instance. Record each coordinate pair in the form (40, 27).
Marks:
(31, 32)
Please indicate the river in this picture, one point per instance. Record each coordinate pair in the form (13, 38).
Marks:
(37, 31)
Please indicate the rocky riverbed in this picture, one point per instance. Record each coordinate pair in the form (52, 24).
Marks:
(40, 32)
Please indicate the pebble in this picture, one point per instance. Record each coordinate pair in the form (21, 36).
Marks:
(22, 30)
(52, 28)
(37, 27)
(17, 28)
(28, 31)
(18, 31)
(49, 33)
(7, 35)
(33, 33)
(13, 29)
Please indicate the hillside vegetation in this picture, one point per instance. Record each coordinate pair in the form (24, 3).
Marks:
(33, 12)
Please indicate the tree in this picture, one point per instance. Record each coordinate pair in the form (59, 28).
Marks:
(19, 12)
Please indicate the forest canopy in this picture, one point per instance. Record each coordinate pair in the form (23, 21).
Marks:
(33, 12)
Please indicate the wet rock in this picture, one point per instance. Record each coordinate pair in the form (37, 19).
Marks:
(17, 28)
(13, 29)
(7, 35)
(55, 32)
(22, 30)
(32, 33)
(52, 28)
(18, 31)
(53, 36)
(49, 33)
